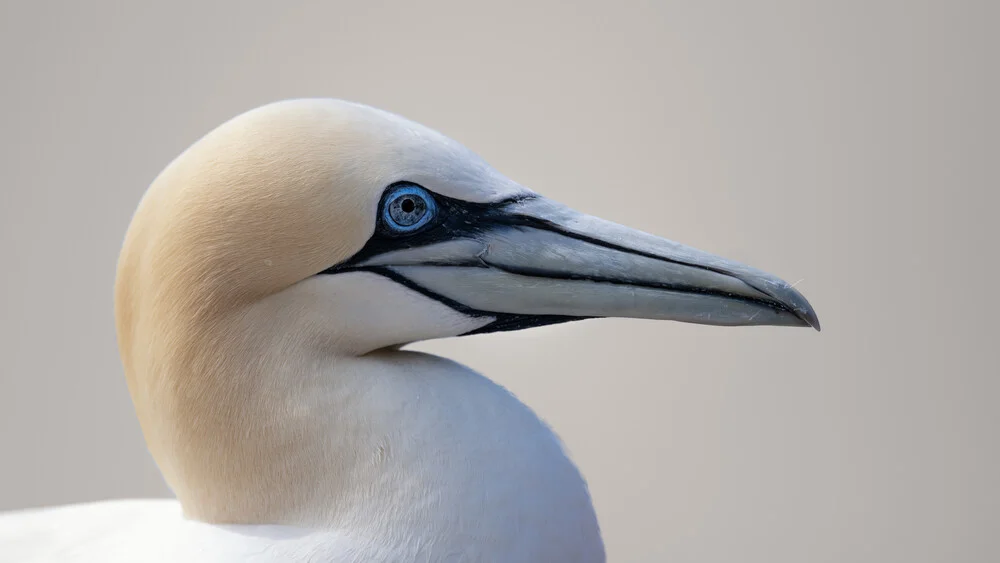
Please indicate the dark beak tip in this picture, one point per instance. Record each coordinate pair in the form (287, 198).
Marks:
(790, 298)
(808, 317)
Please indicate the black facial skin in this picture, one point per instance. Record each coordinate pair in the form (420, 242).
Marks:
(457, 219)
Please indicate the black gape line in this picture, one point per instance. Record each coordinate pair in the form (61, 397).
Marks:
(458, 219)
(502, 321)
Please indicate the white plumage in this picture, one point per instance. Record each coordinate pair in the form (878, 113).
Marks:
(267, 281)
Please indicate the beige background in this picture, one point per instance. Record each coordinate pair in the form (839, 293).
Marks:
(849, 145)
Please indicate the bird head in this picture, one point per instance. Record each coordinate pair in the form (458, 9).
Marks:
(409, 233)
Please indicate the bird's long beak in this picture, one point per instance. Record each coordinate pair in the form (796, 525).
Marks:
(534, 258)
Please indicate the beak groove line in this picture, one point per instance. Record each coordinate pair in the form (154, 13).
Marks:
(679, 288)
(476, 237)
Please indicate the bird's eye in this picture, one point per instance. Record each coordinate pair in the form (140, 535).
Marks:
(407, 208)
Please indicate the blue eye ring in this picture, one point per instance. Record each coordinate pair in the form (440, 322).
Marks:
(407, 208)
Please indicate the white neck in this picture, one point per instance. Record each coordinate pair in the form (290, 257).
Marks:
(408, 451)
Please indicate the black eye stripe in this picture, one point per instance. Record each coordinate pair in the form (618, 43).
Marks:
(455, 218)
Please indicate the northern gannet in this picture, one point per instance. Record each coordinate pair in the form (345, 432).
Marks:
(266, 284)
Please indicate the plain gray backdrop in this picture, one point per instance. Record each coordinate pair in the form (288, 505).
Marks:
(848, 146)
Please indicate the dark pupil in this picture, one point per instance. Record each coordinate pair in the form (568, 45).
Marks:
(407, 205)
